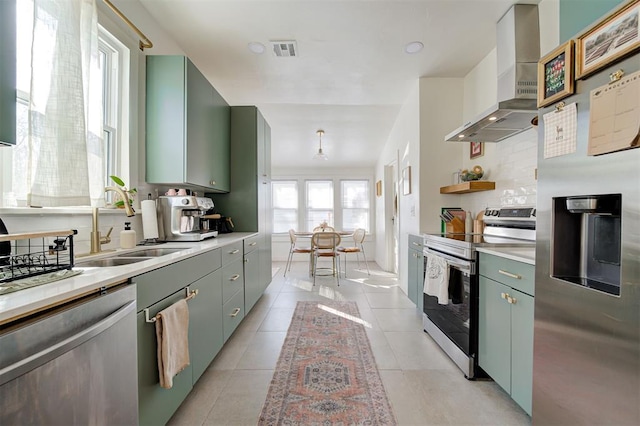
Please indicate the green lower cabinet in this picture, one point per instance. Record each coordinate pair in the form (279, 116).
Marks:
(415, 271)
(505, 341)
(522, 349)
(205, 322)
(156, 405)
(253, 287)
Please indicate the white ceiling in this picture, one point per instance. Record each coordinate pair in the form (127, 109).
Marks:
(351, 75)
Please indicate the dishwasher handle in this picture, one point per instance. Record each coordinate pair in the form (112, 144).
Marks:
(40, 358)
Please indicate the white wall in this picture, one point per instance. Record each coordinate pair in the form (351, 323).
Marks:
(402, 149)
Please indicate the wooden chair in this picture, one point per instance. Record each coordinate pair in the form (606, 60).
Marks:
(324, 245)
(358, 239)
(295, 249)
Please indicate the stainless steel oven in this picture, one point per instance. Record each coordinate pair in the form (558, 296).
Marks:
(454, 325)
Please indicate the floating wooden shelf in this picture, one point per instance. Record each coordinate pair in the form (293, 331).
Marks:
(466, 187)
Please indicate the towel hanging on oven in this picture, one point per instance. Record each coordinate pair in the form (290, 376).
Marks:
(436, 279)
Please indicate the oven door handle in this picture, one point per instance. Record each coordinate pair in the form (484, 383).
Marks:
(467, 267)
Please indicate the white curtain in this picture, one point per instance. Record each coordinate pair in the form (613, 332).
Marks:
(65, 164)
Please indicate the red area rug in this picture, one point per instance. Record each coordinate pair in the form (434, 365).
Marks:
(326, 373)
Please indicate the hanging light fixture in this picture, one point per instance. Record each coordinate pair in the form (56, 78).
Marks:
(320, 155)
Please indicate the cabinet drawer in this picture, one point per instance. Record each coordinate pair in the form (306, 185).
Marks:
(416, 242)
(232, 252)
(232, 314)
(518, 275)
(252, 243)
(232, 280)
(160, 283)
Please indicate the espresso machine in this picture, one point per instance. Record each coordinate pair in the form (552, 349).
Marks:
(181, 218)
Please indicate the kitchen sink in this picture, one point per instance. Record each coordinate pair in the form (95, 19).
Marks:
(152, 252)
(110, 261)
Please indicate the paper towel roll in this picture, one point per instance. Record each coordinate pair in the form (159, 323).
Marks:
(149, 219)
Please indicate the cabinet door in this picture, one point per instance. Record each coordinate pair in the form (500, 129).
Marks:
(199, 145)
(205, 322)
(219, 164)
(412, 271)
(494, 329)
(155, 404)
(420, 279)
(522, 349)
(253, 287)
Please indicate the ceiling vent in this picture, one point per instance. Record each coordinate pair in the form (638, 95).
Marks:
(285, 49)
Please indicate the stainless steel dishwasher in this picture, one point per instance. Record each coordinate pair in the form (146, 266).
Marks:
(75, 364)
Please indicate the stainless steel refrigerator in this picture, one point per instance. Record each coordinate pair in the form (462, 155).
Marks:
(587, 296)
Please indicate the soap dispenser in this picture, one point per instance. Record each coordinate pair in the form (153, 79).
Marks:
(127, 237)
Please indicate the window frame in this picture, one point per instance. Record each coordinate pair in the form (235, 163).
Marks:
(296, 209)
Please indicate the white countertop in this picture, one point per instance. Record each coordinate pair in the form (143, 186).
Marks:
(519, 254)
(25, 302)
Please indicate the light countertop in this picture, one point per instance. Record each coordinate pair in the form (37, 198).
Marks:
(28, 301)
(519, 254)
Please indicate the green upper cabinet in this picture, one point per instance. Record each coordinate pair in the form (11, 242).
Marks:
(187, 127)
(7, 72)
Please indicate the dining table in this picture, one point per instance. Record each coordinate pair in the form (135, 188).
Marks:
(309, 234)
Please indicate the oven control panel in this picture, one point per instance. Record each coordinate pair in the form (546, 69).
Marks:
(517, 213)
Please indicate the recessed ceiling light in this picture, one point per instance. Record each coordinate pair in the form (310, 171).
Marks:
(257, 48)
(413, 47)
(493, 118)
(461, 136)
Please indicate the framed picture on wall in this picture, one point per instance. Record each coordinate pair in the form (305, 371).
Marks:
(555, 75)
(611, 39)
(476, 149)
(406, 180)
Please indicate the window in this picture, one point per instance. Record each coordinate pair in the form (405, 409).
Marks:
(319, 203)
(13, 182)
(285, 205)
(355, 204)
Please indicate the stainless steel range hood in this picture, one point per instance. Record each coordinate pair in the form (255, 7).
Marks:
(518, 52)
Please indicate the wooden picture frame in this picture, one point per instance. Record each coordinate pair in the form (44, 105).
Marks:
(379, 188)
(476, 149)
(406, 180)
(555, 74)
(611, 39)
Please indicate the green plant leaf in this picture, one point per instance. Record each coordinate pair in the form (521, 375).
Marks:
(117, 180)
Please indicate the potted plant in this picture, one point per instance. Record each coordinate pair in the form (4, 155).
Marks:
(131, 193)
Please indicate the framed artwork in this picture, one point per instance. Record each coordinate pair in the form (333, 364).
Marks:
(406, 180)
(609, 40)
(476, 149)
(379, 188)
(555, 75)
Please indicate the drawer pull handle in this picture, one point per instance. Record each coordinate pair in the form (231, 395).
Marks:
(509, 274)
(511, 300)
(212, 183)
(416, 244)
(504, 296)
(235, 277)
(235, 313)
(252, 244)
(236, 251)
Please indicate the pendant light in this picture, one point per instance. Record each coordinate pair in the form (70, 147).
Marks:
(320, 155)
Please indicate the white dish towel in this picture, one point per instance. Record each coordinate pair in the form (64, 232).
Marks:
(436, 279)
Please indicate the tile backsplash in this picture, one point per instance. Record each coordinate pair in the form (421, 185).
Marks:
(32, 221)
(511, 164)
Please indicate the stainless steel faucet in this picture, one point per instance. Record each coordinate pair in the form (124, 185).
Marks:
(96, 239)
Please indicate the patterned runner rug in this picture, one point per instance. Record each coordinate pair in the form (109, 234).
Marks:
(326, 373)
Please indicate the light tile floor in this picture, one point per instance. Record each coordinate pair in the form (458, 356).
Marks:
(422, 383)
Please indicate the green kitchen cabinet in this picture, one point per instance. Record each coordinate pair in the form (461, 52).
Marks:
(415, 270)
(205, 322)
(157, 290)
(248, 202)
(187, 127)
(253, 285)
(156, 405)
(505, 326)
(8, 72)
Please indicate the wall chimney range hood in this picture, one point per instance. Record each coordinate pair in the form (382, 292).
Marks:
(518, 52)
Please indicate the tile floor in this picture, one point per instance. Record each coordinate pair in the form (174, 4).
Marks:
(422, 383)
